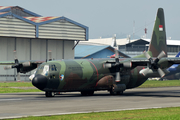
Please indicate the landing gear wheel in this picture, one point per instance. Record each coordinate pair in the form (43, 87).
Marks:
(49, 94)
(90, 93)
(115, 93)
(83, 93)
(112, 91)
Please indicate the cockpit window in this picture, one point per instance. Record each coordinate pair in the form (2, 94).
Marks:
(53, 68)
(46, 69)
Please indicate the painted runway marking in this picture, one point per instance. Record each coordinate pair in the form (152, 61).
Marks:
(9, 99)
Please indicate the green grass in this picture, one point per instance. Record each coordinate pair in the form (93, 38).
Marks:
(17, 90)
(13, 87)
(172, 113)
(154, 83)
(16, 84)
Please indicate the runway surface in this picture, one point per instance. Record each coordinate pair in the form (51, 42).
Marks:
(36, 104)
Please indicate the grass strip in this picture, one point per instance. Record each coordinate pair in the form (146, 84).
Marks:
(15, 87)
(16, 84)
(16, 90)
(155, 83)
(172, 113)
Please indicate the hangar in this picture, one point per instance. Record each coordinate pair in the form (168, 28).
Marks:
(33, 35)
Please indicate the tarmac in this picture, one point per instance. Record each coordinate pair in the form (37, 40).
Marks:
(15, 105)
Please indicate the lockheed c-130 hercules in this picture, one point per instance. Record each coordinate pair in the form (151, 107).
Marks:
(113, 74)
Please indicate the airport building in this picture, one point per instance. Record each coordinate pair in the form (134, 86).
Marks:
(134, 47)
(33, 35)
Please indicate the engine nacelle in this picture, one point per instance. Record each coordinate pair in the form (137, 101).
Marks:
(127, 64)
(26, 68)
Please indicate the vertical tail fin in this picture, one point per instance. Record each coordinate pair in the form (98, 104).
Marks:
(178, 55)
(158, 39)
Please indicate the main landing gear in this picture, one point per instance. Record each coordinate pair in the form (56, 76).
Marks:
(112, 92)
(49, 94)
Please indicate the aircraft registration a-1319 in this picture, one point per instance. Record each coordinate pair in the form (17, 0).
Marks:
(112, 74)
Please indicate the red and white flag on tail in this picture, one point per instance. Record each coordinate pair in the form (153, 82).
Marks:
(160, 27)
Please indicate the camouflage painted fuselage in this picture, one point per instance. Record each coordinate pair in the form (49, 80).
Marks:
(84, 75)
(103, 74)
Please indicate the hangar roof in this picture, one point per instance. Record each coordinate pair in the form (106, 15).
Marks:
(104, 41)
(87, 50)
(19, 22)
(169, 42)
(18, 11)
(108, 41)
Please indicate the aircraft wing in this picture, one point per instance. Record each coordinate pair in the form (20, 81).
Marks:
(134, 62)
(173, 60)
(164, 62)
(21, 62)
(22, 66)
(127, 63)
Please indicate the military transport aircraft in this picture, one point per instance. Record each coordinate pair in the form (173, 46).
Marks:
(113, 74)
(174, 71)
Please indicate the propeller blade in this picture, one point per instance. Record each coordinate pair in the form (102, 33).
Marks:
(144, 71)
(161, 72)
(116, 56)
(161, 55)
(18, 77)
(116, 53)
(8, 67)
(117, 78)
(15, 54)
(147, 55)
(50, 55)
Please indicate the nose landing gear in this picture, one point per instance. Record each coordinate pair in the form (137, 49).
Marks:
(49, 94)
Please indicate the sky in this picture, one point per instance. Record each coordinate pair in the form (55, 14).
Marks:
(104, 18)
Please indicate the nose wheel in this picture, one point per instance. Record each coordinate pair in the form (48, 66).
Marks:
(49, 94)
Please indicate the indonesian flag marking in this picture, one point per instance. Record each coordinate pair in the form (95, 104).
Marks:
(160, 27)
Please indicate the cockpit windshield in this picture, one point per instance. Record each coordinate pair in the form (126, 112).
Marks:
(44, 69)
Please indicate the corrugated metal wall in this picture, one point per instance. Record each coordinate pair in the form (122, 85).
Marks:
(61, 30)
(31, 49)
(38, 51)
(7, 46)
(11, 26)
(33, 39)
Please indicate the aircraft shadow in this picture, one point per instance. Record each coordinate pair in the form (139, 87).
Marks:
(126, 94)
(129, 94)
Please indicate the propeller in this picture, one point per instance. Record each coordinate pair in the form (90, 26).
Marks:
(117, 66)
(50, 55)
(153, 64)
(17, 65)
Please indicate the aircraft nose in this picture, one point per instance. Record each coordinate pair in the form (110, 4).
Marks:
(40, 81)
